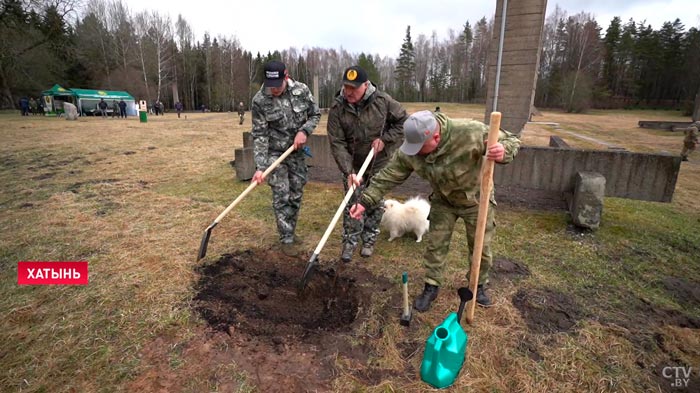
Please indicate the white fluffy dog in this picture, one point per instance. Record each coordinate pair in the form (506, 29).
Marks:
(400, 218)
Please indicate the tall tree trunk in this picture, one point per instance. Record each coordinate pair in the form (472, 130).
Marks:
(578, 69)
(6, 100)
(143, 69)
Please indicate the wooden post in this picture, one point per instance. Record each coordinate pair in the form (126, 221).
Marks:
(486, 186)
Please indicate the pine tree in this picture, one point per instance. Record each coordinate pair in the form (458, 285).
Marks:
(406, 69)
(611, 57)
(366, 62)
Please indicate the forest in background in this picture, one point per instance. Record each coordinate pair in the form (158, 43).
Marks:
(102, 44)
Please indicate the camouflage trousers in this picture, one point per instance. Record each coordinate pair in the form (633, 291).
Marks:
(366, 229)
(689, 146)
(287, 182)
(443, 218)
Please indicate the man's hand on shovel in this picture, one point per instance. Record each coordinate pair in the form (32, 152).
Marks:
(496, 152)
(299, 140)
(357, 211)
(313, 261)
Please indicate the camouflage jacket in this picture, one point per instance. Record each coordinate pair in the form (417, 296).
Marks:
(453, 169)
(276, 121)
(352, 128)
(692, 133)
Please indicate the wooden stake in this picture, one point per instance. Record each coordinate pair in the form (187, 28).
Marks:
(486, 186)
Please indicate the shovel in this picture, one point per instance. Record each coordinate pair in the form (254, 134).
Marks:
(207, 232)
(465, 295)
(313, 261)
(486, 185)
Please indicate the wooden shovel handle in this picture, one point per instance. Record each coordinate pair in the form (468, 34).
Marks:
(254, 184)
(486, 186)
(339, 212)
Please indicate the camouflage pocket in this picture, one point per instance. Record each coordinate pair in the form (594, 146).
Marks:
(274, 117)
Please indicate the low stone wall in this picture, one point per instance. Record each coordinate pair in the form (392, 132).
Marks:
(664, 125)
(642, 176)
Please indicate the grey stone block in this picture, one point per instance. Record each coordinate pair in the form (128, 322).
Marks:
(587, 202)
(247, 139)
(71, 111)
(556, 141)
(244, 163)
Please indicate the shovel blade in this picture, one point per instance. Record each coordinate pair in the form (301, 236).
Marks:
(205, 242)
(308, 272)
(465, 295)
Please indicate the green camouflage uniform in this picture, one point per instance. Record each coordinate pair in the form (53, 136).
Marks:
(276, 121)
(241, 113)
(351, 130)
(690, 142)
(453, 171)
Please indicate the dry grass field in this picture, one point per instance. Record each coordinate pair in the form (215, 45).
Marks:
(576, 311)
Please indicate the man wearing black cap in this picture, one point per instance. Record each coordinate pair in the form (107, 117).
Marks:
(448, 154)
(361, 118)
(284, 114)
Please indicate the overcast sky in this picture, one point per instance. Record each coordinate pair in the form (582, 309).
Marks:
(377, 26)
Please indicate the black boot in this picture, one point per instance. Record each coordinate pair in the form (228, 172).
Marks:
(423, 301)
(482, 298)
(367, 250)
(348, 250)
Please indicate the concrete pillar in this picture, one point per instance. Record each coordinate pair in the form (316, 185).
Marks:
(587, 202)
(247, 139)
(696, 111)
(244, 163)
(521, 57)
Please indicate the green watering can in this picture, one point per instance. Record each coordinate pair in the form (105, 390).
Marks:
(445, 349)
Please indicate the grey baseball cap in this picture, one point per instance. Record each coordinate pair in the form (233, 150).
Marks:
(418, 128)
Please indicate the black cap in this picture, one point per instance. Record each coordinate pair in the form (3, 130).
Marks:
(274, 73)
(354, 76)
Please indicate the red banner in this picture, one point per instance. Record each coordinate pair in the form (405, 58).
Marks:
(52, 273)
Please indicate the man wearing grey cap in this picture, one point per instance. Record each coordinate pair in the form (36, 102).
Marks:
(284, 114)
(448, 154)
(361, 118)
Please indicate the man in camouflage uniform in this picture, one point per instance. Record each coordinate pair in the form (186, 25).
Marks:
(690, 142)
(448, 154)
(284, 114)
(241, 112)
(361, 118)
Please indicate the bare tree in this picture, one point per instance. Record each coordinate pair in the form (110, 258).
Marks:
(141, 26)
(422, 51)
(99, 9)
(120, 25)
(185, 39)
(161, 34)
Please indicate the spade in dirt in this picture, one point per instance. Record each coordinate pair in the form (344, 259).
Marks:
(207, 232)
(313, 261)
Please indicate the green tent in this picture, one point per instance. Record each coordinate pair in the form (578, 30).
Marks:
(55, 97)
(88, 99)
(85, 99)
(87, 94)
(57, 90)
